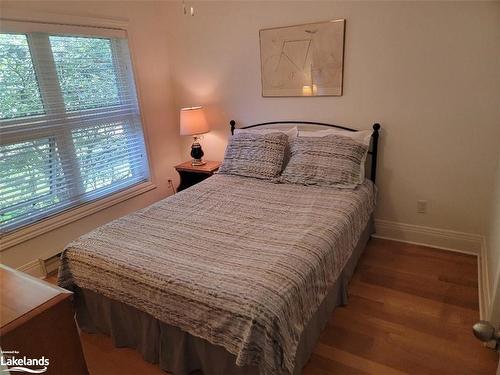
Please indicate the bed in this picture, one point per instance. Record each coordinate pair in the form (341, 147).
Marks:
(234, 275)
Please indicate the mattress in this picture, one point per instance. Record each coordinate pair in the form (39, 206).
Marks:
(239, 262)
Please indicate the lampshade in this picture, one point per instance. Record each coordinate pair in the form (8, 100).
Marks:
(193, 121)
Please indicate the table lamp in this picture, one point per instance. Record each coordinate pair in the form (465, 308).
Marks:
(193, 123)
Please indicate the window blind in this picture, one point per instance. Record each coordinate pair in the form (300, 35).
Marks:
(70, 127)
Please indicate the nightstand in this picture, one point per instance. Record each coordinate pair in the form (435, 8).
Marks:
(192, 174)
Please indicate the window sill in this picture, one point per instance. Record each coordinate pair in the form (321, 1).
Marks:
(67, 217)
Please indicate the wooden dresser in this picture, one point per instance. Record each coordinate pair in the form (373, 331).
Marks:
(37, 321)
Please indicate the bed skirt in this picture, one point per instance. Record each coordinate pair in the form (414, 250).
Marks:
(181, 353)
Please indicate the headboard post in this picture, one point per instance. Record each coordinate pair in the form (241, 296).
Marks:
(233, 124)
(373, 174)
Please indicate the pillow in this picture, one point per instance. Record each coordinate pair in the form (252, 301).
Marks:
(291, 132)
(329, 160)
(255, 155)
(362, 136)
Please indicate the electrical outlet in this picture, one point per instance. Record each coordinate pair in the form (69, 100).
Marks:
(421, 207)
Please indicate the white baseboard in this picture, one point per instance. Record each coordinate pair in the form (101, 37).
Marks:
(433, 237)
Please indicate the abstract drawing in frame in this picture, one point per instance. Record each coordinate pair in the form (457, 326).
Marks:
(303, 60)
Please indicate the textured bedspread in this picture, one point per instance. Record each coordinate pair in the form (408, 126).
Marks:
(240, 262)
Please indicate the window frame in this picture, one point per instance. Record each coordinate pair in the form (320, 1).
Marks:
(11, 22)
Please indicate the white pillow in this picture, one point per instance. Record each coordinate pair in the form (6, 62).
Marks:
(361, 136)
(291, 132)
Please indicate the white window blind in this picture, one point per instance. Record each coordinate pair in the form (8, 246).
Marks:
(70, 128)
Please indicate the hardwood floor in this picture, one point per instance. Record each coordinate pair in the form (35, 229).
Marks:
(410, 310)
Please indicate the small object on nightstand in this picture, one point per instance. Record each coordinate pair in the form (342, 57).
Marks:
(192, 174)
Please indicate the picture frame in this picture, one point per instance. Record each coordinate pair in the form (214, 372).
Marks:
(303, 60)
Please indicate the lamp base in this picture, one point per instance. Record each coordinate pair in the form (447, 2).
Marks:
(197, 153)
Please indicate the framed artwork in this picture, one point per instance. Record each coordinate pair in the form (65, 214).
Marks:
(303, 60)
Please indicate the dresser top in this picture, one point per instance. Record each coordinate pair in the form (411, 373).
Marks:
(22, 295)
(208, 167)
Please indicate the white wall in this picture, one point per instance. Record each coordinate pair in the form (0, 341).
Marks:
(427, 71)
(147, 42)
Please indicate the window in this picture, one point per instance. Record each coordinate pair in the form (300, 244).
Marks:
(70, 128)
(20, 95)
(86, 72)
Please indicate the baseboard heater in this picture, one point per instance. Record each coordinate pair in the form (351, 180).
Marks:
(49, 265)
